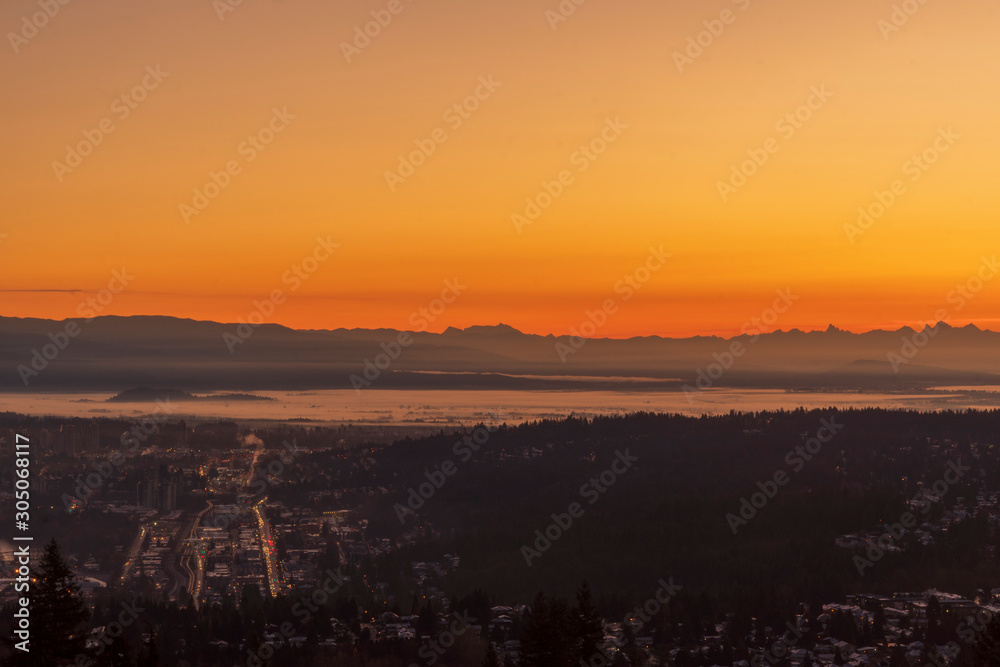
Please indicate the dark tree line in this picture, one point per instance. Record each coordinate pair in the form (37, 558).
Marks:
(558, 634)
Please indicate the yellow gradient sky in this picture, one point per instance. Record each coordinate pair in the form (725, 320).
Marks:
(655, 185)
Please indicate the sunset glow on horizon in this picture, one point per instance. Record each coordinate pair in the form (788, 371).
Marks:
(217, 152)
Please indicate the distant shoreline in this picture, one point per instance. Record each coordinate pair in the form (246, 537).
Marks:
(150, 395)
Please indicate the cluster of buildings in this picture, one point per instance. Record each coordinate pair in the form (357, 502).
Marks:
(928, 531)
(69, 439)
(866, 630)
(232, 552)
(151, 552)
(158, 490)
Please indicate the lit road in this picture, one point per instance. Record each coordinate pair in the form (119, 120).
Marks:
(185, 552)
(267, 549)
(197, 576)
(134, 551)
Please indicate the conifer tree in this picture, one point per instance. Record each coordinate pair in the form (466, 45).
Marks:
(589, 630)
(58, 614)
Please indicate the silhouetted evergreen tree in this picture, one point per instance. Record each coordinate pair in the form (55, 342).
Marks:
(933, 620)
(588, 630)
(878, 627)
(546, 641)
(58, 615)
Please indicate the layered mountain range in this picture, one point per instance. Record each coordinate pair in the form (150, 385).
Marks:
(113, 353)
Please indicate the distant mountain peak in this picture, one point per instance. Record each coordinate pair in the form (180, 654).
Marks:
(482, 329)
(154, 354)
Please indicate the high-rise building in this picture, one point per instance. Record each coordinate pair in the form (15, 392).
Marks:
(148, 493)
(169, 500)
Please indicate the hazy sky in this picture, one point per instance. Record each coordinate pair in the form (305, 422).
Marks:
(673, 130)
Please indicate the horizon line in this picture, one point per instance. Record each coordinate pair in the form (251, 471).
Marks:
(830, 328)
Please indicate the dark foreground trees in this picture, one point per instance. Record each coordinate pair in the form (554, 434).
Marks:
(58, 615)
(559, 635)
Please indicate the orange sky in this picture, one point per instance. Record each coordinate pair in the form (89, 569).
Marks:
(657, 183)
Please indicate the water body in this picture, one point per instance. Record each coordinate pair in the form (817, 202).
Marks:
(392, 406)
